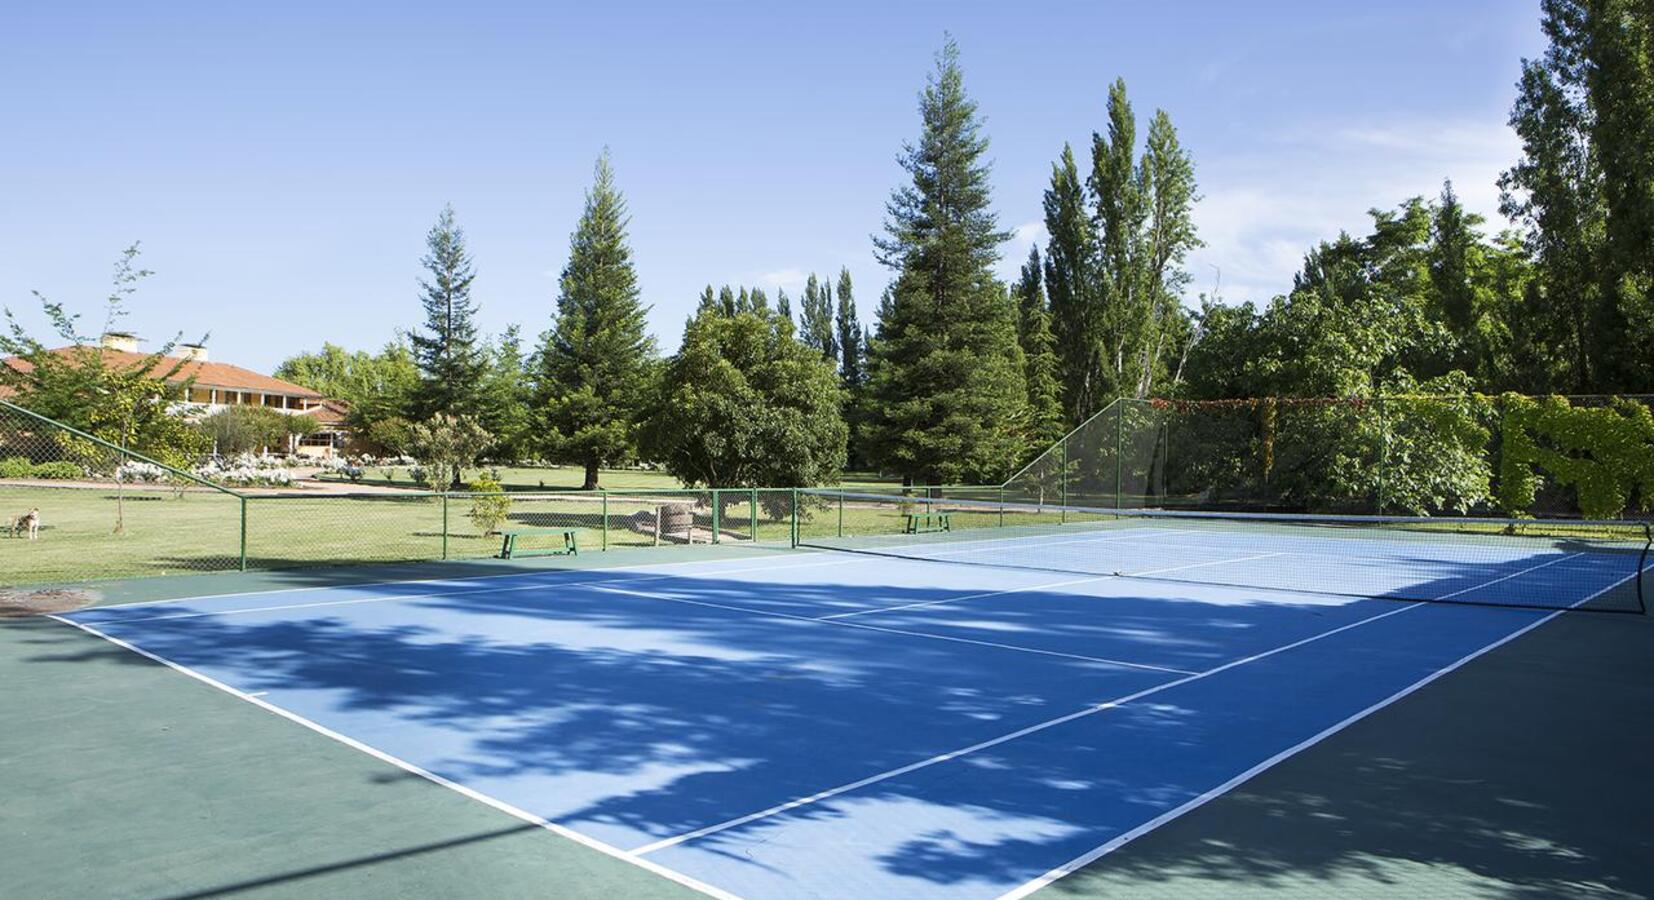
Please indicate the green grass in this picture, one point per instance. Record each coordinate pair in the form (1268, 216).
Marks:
(559, 478)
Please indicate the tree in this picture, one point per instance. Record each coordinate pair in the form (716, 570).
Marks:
(445, 446)
(743, 403)
(507, 396)
(1071, 284)
(784, 305)
(234, 430)
(852, 354)
(946, 385)
(129, 404)
(815, 327)
(375, 387)
(1046, 425)
(595, 361)
(448, 351)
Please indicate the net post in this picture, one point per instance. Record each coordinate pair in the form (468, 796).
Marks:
(752, 515)
(1002, 506)
(605, 520)
(717, 507)
(1383, 451)
(1064, 511)
(841, 514)
(444, 524)
(243, 533)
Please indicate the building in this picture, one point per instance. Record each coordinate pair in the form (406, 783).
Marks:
(213, 386)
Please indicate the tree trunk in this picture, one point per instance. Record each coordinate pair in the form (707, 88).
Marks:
(591, 476)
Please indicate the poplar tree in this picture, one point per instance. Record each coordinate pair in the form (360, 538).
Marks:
(450, 356)
(852, 353)
(596, 358)
(947, 396)
(815, 326)
(1045, 413)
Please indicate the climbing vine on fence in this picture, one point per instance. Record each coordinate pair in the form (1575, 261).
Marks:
(1605, 453)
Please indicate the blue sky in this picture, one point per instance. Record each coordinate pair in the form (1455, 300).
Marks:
(281, 163)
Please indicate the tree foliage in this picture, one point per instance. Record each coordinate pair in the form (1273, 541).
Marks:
(596, 360)
(447, 349)
(743, 403)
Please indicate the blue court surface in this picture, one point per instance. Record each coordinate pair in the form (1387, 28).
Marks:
(828, 724)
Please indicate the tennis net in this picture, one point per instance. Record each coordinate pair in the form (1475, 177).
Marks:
(1539, 564)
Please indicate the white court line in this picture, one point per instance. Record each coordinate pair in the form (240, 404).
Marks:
(1021, 590)
(1036, 587)
(464, 579)
(1214, 562)
(1099, 852)
(404, 765)
(1032, 729)
(1097, 537)
(537, 586)
(762, 613)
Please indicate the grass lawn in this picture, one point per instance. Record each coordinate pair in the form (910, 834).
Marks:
(558, 478)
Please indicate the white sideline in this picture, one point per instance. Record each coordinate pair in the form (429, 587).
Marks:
(404, 765)
(1102, 850)
(762, 613)
(1042, 726)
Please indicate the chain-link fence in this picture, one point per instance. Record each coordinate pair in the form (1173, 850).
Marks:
(1554, 457)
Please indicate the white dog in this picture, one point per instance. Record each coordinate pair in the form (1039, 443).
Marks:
(29, 522)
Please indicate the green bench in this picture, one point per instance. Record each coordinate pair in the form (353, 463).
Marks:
(571, 542)
(928, 522)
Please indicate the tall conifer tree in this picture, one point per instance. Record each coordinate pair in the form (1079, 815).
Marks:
(948, 398)
(1045, 414)
(450, 355)
(596, 359)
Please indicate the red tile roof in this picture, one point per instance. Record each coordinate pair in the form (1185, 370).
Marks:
(205, 374)
(328, 412)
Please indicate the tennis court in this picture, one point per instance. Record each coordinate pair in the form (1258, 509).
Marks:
(953, 715)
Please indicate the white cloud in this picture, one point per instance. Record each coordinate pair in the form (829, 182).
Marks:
(791, 280)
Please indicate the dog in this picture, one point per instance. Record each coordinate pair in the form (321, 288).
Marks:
(28, 523)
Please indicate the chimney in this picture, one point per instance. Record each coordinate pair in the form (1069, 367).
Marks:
(124, 341)
(191, 352)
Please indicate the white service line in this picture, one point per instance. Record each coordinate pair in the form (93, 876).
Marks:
(404, 765)
(1213, 562)
(762, 613)
(1021, 590)
(537, 586)
(1101, 537)
(994, 742)
(1099, 852)
(1051, 723)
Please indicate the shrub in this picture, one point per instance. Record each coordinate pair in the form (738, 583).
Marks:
(16, 467)
(491, 506)
(60, 470)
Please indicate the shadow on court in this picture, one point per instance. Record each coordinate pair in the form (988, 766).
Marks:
(1519, 775)
(1523, 776)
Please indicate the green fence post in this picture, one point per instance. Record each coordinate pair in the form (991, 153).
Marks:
(717, 509)
(1383, 451)
(794, 541)
(243, 534)
(1064, 514)
(1002, 506)
(752, 515)
(444, 524)
(841, 513)
(605, 520)
(1119, 451)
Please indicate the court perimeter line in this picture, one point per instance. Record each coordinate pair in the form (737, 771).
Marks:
(487, 590)
(1191, 805)
(456, 579)
(1038, 587)
(500, 805)
(1037, 727)
(761, 613)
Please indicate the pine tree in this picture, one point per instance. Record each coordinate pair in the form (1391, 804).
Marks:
(784, 305)
(507, 398)
(1045, 413)
(450, 356)
(815, 326)
(947, 389)
(852, 354)
(1071, 284)
(596, 360)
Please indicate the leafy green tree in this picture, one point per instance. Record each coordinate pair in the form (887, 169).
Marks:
(852, 353)
(445, 446)
(815, 327)
(946, 385)
(743, 403)
(129, 404)
(1046, 424)
(449, 353)
(1071, 284)
(595, 362)
(251, 429)
(507, 398)
(374, 386)
(784, 305)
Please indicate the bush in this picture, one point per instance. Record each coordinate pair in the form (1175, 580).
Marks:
(492, 506)
(60, 470)
(16, 467)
